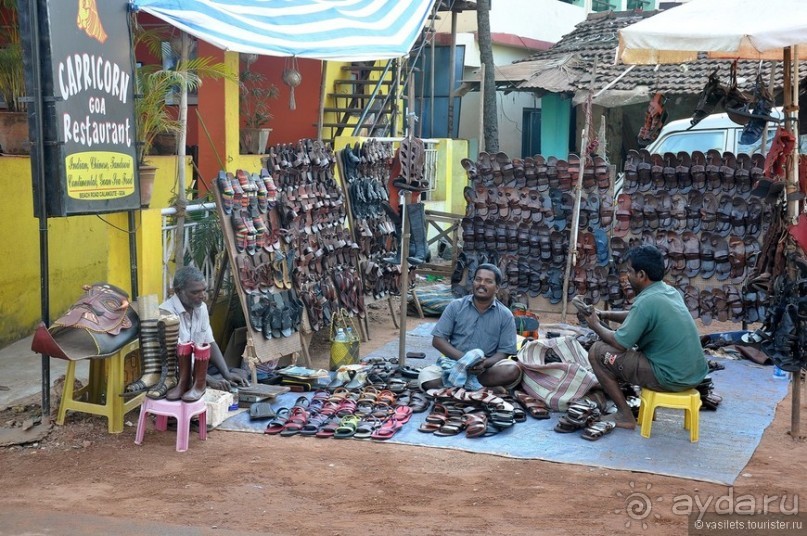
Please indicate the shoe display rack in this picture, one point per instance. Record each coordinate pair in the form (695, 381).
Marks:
(698, 209)
(365, 169)
(519, 217)
(258, 262)
(293, 257)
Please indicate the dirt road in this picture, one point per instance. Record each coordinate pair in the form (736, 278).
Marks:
(273, 485)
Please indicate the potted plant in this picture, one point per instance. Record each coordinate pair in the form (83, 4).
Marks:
(152, 117)
(254, 110)
(14, 124)
(155, 87)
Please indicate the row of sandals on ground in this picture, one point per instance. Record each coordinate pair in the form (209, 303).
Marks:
(478, 389)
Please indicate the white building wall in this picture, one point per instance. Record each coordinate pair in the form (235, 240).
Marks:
(543, 20)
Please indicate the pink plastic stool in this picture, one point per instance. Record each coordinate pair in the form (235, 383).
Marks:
(181, 411)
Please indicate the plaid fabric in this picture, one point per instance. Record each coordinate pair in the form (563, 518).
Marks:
(557, 384)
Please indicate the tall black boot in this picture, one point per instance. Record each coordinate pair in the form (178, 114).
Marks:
(150, 360)
(418, 248)
(169, 335)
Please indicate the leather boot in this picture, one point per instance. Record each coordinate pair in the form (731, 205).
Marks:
(201, 357)
(184, 353)
(418, 248)
(150, 362)
(168, 328)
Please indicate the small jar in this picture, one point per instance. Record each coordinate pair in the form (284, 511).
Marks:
(234, 405)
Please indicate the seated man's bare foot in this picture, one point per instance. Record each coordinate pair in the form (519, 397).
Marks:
(622, 421)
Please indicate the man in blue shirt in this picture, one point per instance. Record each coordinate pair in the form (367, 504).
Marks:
(475, 335)
(657, 346)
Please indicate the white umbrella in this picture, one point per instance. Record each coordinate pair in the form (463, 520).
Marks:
(745, 29)
(729, 29)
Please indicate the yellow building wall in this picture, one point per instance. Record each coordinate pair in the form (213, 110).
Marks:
(87, 249)
(81, 249)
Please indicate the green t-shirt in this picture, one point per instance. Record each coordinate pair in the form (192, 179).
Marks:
(660, 325)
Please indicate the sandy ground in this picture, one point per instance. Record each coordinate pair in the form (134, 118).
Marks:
(273, 485)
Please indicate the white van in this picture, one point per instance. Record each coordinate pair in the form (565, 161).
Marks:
(716, 131)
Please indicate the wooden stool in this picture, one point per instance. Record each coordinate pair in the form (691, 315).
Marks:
(689, 401)
(105, 390)
(181, 411)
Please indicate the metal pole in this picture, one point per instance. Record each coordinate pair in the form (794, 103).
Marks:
(406, 197)
(133, 253)
(451, 76)
(432, 34)
(322, 91)
(41, 201)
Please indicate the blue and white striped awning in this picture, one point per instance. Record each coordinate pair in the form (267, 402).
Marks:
(346, 30)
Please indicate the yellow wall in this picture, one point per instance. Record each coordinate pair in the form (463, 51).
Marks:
(81, 249)
(86, 249)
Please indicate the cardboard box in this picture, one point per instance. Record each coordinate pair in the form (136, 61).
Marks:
(218, 404)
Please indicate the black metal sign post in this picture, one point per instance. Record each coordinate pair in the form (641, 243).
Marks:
(79, 71)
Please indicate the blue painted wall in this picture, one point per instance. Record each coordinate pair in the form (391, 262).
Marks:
(556, 120)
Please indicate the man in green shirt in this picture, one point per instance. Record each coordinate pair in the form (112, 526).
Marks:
(657, 346)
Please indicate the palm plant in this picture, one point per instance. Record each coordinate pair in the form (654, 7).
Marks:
(157, 85)
(186, 75)
(12, 81)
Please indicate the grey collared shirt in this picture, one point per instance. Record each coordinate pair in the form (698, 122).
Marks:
(465, 328)
(194, 326)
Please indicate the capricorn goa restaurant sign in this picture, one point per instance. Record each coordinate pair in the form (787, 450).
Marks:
(87, 84)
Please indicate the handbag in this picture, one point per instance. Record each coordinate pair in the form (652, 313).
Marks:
(344, 341)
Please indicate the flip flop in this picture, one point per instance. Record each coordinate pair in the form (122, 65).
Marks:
(276, 425)
(388, 429)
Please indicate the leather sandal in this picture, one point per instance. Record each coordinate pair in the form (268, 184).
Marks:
(694, 204)
(692, 300)
(724, 209)
(714, 161)
(631, 184)
(697, 171)
(707, 255)
(706, 307)
(683, 172)
(623, 215)
(727, 171)
(737, 259)
(721, 253)
(691, 253)
(637, 220)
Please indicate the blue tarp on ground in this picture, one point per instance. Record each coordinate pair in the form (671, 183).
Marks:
(728, 436)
